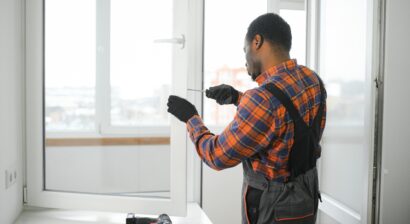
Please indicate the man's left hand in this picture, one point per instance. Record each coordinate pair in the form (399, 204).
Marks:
(181, 108)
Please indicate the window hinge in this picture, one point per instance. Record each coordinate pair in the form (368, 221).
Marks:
(378, 82)
(25, 195)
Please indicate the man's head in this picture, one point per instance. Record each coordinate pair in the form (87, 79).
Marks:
(267, 42)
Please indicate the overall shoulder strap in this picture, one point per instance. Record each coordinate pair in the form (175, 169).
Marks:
(293, 112)
(287, 103)
(302, 156)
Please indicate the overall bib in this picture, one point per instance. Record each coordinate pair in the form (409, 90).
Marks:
(296, 200)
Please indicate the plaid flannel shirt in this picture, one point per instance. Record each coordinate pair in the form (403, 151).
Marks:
(261, 130)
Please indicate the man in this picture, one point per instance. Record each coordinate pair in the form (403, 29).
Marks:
(276, 130)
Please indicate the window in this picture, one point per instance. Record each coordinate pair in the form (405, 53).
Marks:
(106, 80)
(109, 143)
(76, 68)
(350, 100)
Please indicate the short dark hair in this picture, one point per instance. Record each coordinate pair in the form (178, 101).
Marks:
(272, 28)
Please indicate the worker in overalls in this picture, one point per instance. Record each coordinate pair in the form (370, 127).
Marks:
(276, 130)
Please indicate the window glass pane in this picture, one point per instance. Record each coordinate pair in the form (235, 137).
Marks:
(140, 69)
(343, 69)
(101, 164)
(224, 58)
(297, 21)
(70, 65)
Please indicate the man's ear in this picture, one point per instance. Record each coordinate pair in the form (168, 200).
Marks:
(258, 40)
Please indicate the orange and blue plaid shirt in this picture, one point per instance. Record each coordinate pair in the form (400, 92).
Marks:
(261, 130)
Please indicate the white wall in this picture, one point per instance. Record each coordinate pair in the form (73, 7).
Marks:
(109, 169)
(395, 180)
(11, 105)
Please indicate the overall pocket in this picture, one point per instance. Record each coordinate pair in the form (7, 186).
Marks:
(294, 205)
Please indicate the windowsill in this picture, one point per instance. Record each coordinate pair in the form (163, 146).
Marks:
(30, 215)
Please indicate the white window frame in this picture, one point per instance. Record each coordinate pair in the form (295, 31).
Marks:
(276, 5)
(36, 194)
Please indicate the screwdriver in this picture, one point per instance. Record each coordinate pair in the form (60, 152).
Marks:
(197, 90)
(228, 100)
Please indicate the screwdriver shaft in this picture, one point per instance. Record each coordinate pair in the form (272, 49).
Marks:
(197, 90)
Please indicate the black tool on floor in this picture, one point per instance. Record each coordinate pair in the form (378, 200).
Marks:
(162, 219)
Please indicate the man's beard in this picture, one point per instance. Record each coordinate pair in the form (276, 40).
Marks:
(256, 71)
(254, 75)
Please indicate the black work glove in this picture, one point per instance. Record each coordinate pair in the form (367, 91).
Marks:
(181, 108)
(223, 94)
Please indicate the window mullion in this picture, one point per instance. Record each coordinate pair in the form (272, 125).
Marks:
(312, 34)
(103, 87)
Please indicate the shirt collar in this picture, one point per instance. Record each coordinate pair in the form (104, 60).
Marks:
(287, 65)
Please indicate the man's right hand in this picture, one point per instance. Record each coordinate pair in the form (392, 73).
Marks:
(223, 94)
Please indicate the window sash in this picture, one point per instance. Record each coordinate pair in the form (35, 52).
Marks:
(36, 194)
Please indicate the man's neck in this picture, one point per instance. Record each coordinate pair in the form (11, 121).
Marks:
(274, 61)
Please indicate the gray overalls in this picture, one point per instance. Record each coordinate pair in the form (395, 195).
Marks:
(296, 200)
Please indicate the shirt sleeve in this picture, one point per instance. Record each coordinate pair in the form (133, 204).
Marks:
(252, 129)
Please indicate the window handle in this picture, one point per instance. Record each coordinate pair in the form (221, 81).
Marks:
(176, 40)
